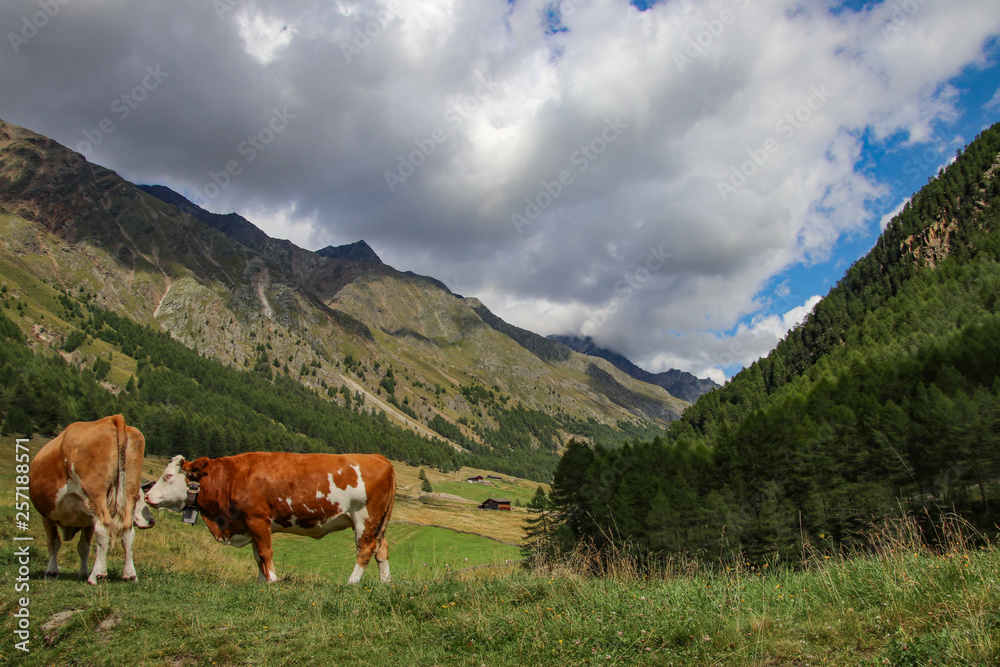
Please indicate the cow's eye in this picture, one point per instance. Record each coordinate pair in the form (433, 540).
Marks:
(167, 476)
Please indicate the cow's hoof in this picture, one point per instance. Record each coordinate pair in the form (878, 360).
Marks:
(51, 575)
(131, 578)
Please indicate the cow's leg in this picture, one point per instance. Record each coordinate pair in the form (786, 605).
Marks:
(382, 558)
(102, 531)
(128, 537)
(260, 564)
(100, 571)
(53, 542)
(260, 533)
(365, 542)
(83, 549)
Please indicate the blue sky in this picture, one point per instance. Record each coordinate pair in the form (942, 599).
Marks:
(681, 180)
(903, 167)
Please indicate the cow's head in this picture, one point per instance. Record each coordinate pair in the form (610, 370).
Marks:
(171, 490)
(142, 517)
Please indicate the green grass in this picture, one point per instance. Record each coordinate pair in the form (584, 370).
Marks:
(480, 492)
(197, 603)
(857, 612)
(415, 552)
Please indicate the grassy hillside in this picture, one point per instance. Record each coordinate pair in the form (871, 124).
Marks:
(197, 603)
(272, 398)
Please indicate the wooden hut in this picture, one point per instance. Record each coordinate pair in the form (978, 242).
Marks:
(495, 504)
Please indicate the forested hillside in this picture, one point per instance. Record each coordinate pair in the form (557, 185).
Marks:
(184, 403)
(193, 405)
(886, 399)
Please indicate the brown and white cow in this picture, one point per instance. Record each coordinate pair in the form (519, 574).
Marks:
(87, 479)
(244, 498)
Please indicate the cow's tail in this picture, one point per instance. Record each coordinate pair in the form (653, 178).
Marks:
(384, 521)
(117, 493)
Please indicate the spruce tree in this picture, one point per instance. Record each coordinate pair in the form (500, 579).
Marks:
(539, 547)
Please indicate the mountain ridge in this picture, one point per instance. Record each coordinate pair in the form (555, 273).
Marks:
(678, 383)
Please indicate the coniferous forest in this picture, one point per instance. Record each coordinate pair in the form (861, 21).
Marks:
(885, 400)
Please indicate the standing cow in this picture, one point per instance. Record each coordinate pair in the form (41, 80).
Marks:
(87, 479)
(244, 498)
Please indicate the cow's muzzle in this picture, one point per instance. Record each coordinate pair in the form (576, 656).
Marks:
(145, 492)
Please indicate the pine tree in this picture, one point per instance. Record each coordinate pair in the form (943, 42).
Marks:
(539, 548)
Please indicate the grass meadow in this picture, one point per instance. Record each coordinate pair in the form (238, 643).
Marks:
(198, 603)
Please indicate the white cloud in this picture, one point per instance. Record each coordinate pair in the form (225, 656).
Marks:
(994, 102)
(262, 36)
(887, 218)
(725, 133)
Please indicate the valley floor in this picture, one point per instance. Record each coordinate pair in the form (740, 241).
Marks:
(197, 603)
(903, 609)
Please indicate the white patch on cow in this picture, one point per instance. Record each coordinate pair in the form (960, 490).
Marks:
(383, 571)
(53, 567)
(351, 504)
(72, 507)
(352, 501)
(100, 570)
(356, 575)
(289, 501)
(128, 539)
(360, 518)
(350, 498)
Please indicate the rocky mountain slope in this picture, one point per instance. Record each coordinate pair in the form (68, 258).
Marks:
(338, 320)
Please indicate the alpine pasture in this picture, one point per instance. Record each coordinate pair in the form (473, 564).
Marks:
(198, 602)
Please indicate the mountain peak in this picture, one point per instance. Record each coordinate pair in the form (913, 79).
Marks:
(359, 251)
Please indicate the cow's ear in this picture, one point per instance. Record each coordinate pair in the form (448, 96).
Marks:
(195, 469)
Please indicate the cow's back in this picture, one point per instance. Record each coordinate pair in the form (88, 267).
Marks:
(274, 471)
(83, 458)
